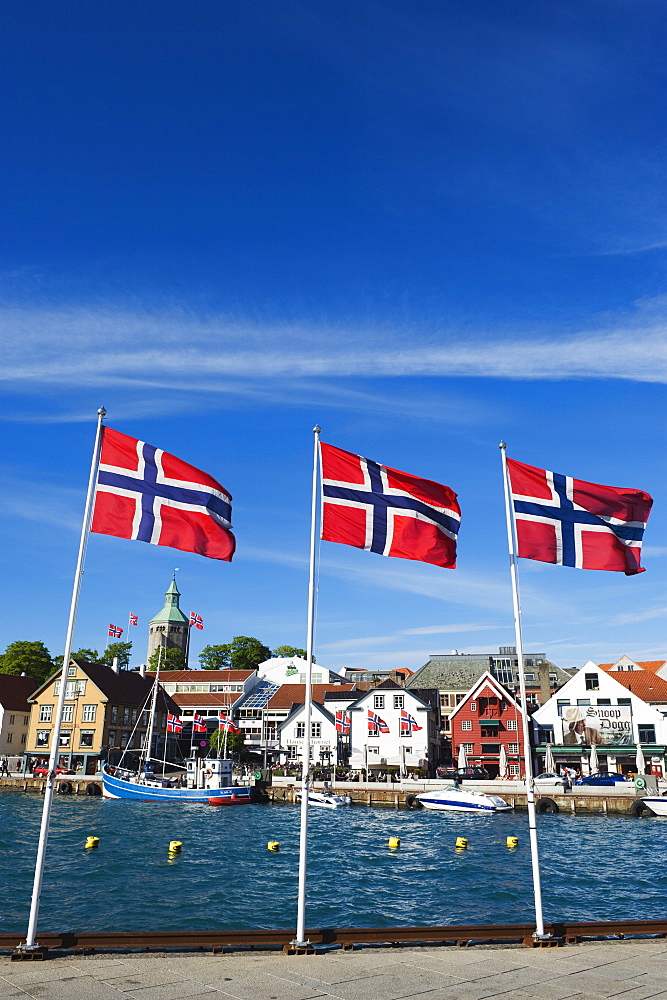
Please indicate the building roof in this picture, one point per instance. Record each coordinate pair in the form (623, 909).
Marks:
(644, 684)
(651, 665)
(457, 675)
(127, 687)
(220, 676)
(15, 691)
(171, 611)
(295, 694)
(349, 693)
(224, 699)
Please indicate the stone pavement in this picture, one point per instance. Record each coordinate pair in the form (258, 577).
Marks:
(627, 970)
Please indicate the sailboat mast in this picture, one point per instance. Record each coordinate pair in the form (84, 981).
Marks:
(151, 724)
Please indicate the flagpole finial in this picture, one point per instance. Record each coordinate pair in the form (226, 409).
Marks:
(502, 446)
(317, 429)
(102, 412)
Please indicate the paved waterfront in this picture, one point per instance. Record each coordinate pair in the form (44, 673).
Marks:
(627, 970)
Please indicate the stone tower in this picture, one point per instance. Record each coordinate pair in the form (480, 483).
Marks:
(169, 627)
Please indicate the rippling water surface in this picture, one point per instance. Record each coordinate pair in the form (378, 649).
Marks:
(594, 867)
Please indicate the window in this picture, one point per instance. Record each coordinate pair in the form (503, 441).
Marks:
(144, 718)
(503, 674)
(468, 747)
(513, 748)
(71, 671)
(407, 749)
(68, 711)
(26, 720)
(466, 724)
(12, 720)
(126, 715)
(8, 737)
(489, 731)
(562, 705)
(134, 716)
(511, 724)
(514, 770)
(123, 740)
(583, 702)
(446, 725)
(316, 730)
(300, 730)
(86, 738)
(624, 701)
(291, 753)
(473, 706)
(646, 734)
(592, 682)
(112, 737)
(42, 738)
(399, 701)
(114, 714)
(45, 713)
(65, 738)
(530, 677)
(23, 735)
(444, 701)
(492, 748)
(459, 698)
(603, 701)
(371, 750)
(378, 701)
(316, 678)
(89, 713)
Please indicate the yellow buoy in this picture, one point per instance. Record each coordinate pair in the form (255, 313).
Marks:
(273, 845)
(175, 846)
(512, 841)
(394, 842)
(92, 842)
(461, 843)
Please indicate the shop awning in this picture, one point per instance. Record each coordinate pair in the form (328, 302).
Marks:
(489, 722)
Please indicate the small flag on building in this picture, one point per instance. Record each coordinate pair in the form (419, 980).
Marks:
(198, 724)
(227, 724)
(134, 619)
(196, 620)
(570, 522)
(115, 631)
(376, 724)
(174, 724)
(343, 723)
(408, 724)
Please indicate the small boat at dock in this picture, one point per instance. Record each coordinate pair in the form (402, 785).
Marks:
(453, 798)
(326, 799)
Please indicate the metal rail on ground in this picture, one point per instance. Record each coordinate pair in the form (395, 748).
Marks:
(567, 932)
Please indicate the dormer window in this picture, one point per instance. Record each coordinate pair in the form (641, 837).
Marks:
(592, 682)
(473, 706)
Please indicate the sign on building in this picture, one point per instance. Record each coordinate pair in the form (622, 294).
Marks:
(597, 725)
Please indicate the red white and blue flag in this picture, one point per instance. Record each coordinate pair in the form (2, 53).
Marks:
(343, 723)
(574, 523)
(198, 724)
(115, 631)
(174, 724)
(147, 494)
(376, 724)
(227, 724)
(196, 620)
(134, 619)
(408, 724)
(386, 511)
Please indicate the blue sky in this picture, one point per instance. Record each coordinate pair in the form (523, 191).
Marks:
(425, 225)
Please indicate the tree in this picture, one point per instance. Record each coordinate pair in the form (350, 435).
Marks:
(215, 657)
(120, 649)
(290, 651)
(32, 658)
(171, 658)
(235, 741)
(89, 655)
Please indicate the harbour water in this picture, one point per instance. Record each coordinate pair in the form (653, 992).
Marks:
(593, 867)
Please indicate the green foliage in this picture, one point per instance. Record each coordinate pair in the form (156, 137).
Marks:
(170, 659)
(290, 651)
(120, 649)
(235, 742)
(32, 658)
(89, 655)
(215, 657)
(242, 653)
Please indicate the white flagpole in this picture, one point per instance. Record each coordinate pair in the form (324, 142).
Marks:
(30, 943)
(300, 941)
(530, 784)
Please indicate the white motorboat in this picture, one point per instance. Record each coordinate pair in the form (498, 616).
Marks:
(326, 799)
(656, 803)
(452, 798)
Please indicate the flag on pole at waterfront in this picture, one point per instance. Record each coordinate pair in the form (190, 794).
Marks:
(174, 724)
(227, 724)
(198, 724)
(376, 724)
(571, 522)
(115, 631)
(408, 724)
(343, 723)
(147, 494)
(196, 620)
(382, 510)
(134, 619)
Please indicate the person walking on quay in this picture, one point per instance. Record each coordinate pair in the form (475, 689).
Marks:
(4, 768)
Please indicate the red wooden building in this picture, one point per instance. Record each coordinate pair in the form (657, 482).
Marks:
(487, 719)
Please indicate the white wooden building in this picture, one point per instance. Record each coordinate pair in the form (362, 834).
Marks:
(376, 750)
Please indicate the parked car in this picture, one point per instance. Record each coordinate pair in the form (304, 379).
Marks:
(478, 773)
(602, 778)
(550, 780)
(42, 770)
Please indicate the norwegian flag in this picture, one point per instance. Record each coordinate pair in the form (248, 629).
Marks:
(574, 523)
(198, 724)
(408, 724)
(227, 724)
(376, 724)
(196, 620)
(386, 511)
(343, 723)
(174, 724)
(134, 619)
(115, 631)
(147, 494)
